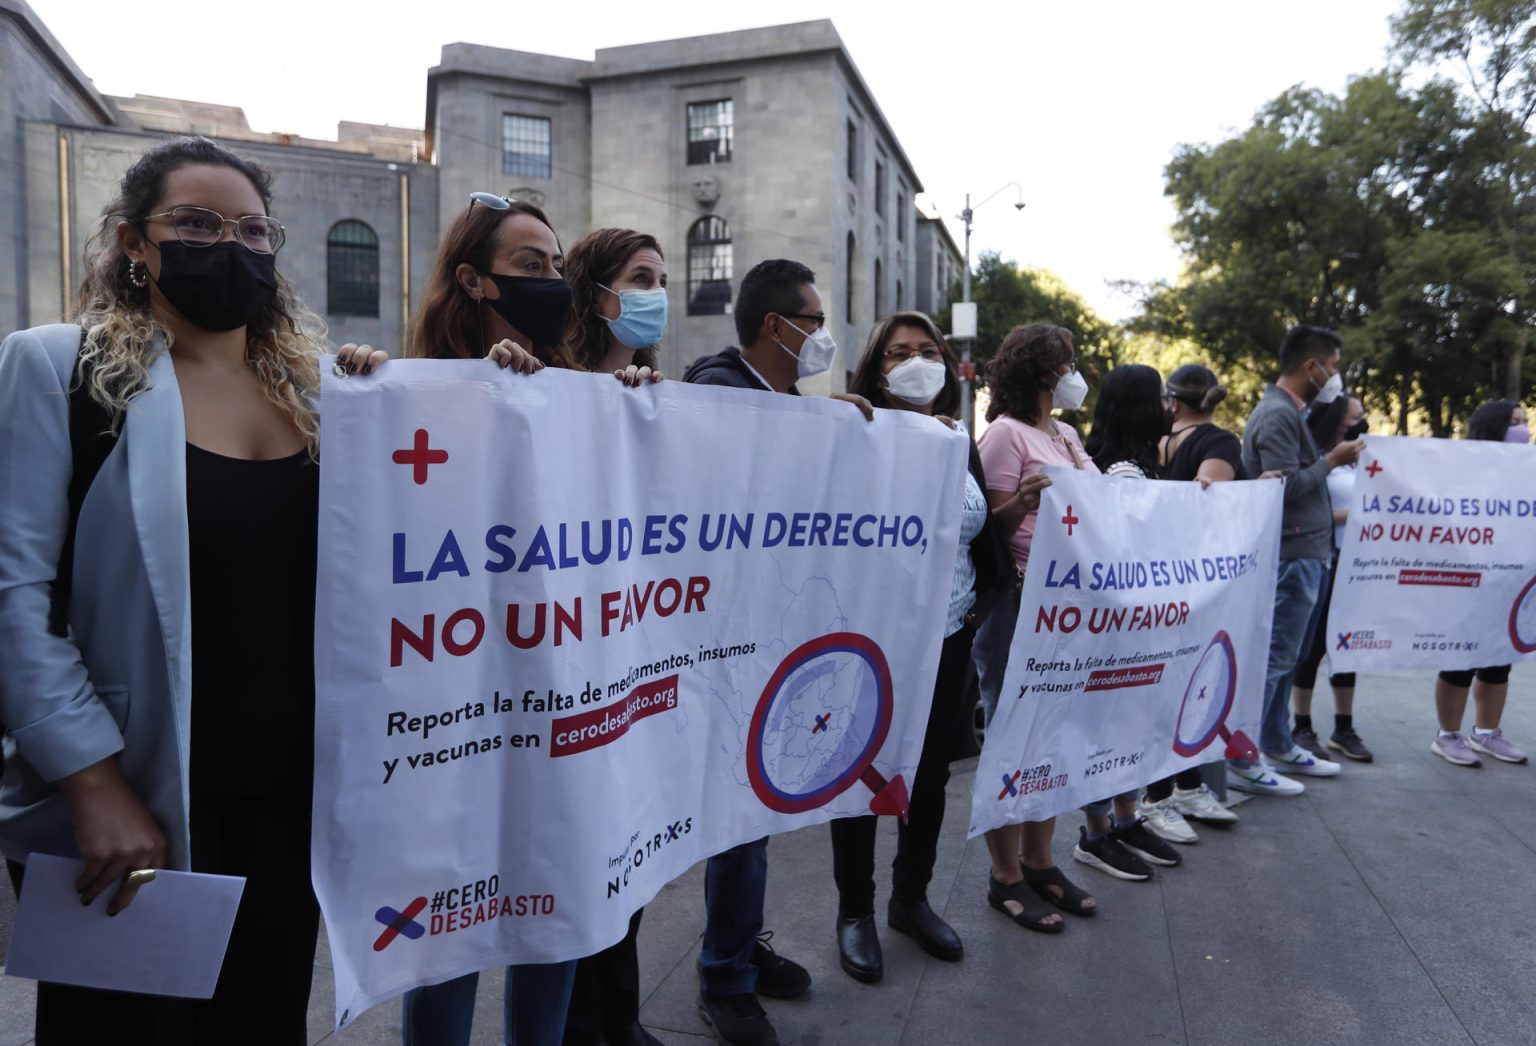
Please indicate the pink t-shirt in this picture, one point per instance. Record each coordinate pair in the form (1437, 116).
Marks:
(1012, 449)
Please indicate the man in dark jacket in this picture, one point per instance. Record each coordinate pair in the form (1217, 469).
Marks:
(1276, 441)
(784, 337)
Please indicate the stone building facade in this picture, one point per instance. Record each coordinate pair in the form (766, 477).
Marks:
(730, 149)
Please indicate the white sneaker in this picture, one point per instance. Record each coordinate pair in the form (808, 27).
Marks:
(1300, 761)
(1164, 821)
(1259, 779)
(1200, 804)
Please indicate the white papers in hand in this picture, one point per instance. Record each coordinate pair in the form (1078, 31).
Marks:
(169, 941)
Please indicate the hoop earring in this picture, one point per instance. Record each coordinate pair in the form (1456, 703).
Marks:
(138, 275)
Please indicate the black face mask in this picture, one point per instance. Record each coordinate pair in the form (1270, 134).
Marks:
(217, 288)
(1356, 430)
(535, 307)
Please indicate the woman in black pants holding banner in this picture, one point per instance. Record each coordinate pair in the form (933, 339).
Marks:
(1128, 423)
(1342, 418)
(1195, 449)
(496, 292)
(907, 366)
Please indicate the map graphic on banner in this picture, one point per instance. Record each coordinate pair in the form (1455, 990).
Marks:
(1438, 568)
(572, 638)
(1141, 646)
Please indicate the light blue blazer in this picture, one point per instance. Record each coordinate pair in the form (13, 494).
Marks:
(121, 684)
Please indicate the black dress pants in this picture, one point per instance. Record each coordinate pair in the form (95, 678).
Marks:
(853, 838)
(605, 1000)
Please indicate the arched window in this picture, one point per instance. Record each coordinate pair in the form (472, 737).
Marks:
(879, 298)
(848, 282)
(709, 267)
(352, 270)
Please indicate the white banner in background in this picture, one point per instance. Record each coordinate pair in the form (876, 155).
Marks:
(1438, 568)
(572, 638)
(1142, 641)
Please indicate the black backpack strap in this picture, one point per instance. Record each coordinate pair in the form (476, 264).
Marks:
(90, 443)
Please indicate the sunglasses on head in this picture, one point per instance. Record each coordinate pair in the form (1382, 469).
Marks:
(491, 200)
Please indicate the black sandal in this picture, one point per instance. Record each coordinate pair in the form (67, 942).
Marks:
(1031, 915)
(1072, 896)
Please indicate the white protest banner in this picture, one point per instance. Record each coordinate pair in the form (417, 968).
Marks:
(1142, 641)
(1438, 568)
(572, 638)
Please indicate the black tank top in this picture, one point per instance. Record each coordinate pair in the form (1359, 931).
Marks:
(252, 533)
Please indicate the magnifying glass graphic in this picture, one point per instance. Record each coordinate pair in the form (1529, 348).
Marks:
(1207, 700)
(820, 723)
(1522, 619)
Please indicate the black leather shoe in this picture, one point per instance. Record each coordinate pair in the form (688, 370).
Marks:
(777, 977)
(921, 923)
(858, 946)
(738, 1020)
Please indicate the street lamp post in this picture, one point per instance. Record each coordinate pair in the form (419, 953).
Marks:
(967, 399)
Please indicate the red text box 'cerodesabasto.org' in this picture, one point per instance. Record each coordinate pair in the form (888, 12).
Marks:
(1446, 578)
(580, 733)
(1117, 678)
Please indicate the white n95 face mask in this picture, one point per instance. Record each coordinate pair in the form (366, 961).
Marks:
(917, 381)
(1070, 391)
(816, 355)
(1332, 389)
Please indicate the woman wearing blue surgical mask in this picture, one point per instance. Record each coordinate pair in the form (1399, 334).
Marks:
(618, 282)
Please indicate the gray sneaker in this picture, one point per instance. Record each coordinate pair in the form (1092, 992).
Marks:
(1453, 749)
(1494, 744)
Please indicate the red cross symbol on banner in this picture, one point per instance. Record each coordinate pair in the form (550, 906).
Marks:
(420, 458)
(1070, 520)
(1373, 468)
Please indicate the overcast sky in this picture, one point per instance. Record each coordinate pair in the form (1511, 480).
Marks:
(1082, 104)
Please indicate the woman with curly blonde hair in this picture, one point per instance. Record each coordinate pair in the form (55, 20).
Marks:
(158, 506)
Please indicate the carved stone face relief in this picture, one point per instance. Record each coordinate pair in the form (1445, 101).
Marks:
(528, 195)
(706, 189)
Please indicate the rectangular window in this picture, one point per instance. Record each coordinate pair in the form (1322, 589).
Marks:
(853, 151)
(879, 187)
(901, 210)
(710, 131)
(525, 145)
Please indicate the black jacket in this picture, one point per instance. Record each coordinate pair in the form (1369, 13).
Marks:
(726, 368)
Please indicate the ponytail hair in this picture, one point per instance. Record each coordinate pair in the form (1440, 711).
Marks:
(1196, 387)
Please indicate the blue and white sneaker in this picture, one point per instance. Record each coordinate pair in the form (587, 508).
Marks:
(1259, 779)
(1300, 761)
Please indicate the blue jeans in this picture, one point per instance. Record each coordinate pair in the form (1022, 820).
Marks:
(989, 651)
(734, 883)
(1296, 590)
(533, 1007)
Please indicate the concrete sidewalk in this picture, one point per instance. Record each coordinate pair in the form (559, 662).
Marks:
(1393, 904)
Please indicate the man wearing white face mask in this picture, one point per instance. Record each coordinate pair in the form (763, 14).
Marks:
(1277, 441)
(783, 337)
(783, 333)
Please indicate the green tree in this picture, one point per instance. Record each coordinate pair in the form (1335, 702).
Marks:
(1007, 296)
(1489, 47)
(1398, 217)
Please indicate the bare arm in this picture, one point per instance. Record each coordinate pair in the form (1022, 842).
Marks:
(1214, 470)
(1009, 510)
